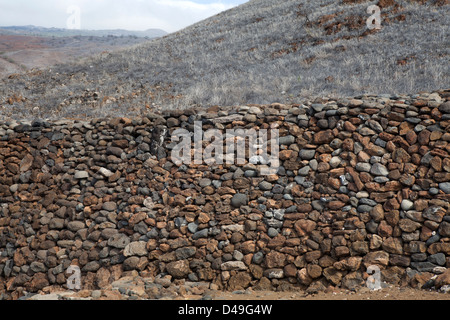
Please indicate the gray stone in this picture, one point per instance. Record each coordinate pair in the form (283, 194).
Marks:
(288, 140)
(56, 223)
(240, 199)
(204, 182)
(200, 234)
(368, 202)
(304, 171)
(130, 263)
(317, 107)
(192, 227)
(433, 239)
(335, 161)
(119, 241)
(76, 225)
(379, 170)
(423, 266)
(364, 208)
(265, 186)
(407, 205)
(137, 248)
(307, 154)
(445, 107)
(233, 265)
(363, 167)
(238, 256)
(185, 253)
(438, 258)
(38, 267)
(258, 258)
(91, 266)
(445, 186)
(109, 206)
(272, 232)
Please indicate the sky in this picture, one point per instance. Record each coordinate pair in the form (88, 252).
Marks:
(136, 15)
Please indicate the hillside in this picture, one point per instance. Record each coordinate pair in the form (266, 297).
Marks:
(260, 52)
(19, 53)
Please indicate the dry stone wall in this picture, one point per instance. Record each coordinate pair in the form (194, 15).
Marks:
(363, 181)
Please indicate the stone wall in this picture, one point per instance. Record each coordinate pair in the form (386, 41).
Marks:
(363, 181)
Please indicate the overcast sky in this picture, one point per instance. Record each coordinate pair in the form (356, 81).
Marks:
(169, 15)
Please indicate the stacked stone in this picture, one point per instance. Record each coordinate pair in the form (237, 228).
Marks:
(363, 181)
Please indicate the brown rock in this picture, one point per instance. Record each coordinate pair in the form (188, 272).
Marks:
(323, 137)
(38, 282)
(304, 208)
(434, 213)
(353, 280)
(102, 277)
(443, 279)
(424, 137)
(411, 137)
(392, 217)
(377, 213)
(239, 281)
(303, 277)
(335, 205)
(178, 269)
(333, 275)
(290, 270)
(384, 229)
(407, 225)
(304, 227)
(436, 163)
(376, 257)
(444, 229)
(26, 163)
(391, 204)
(314, 271)
(401, 156)
(348, 126)
(393, 245)
(275, 259)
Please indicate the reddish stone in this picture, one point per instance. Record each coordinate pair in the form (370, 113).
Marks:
(304, 227)
(424, 137)
(323, 137)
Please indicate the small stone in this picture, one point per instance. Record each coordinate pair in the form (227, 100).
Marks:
(135, 249)
(272, 232)
(76, 225)
(445, 107)
(178, 269)
(109, 206)
(233, 265)
(445, 186)
(288, 140)
(105, 172)
(438, 258)
(265, 186)
(81, 175)
(407, 205)
(307, 154)
(119, 241)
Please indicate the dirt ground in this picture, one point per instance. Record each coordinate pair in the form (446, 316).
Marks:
(390, 293)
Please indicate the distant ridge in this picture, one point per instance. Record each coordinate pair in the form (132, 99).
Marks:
(31, 30)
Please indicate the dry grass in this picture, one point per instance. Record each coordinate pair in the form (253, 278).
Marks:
(260, 52)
